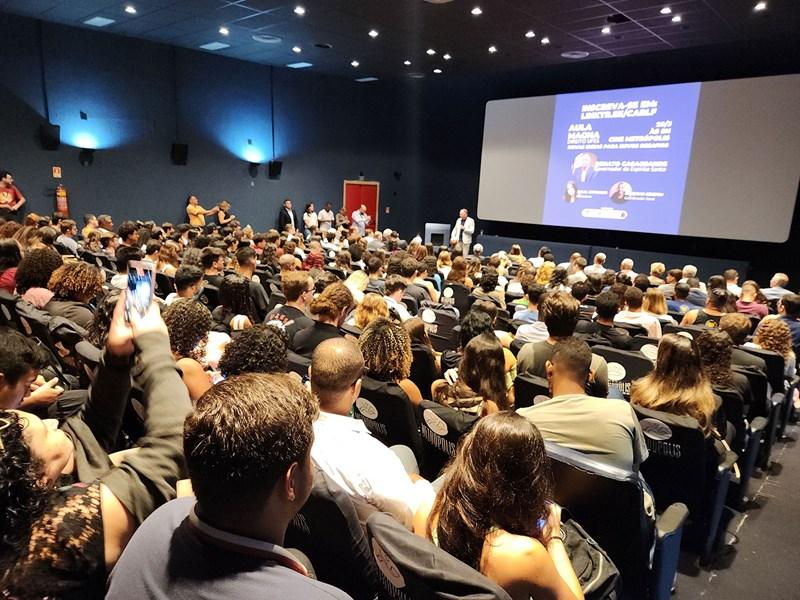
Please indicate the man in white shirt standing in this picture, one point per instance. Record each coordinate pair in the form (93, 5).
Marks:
(360, 219)
(463, 231)
(634, 315)
(326, 217)
(371, 474)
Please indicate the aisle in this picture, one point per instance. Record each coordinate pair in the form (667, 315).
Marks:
(763, 563)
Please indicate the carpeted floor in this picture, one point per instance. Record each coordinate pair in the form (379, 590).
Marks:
(764, 560)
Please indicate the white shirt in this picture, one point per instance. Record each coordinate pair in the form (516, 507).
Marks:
(310, 219)
(399, 307)
(734, 289)
(651, 324)
(360, 220)
(595, 269)
(325, 218)
(370, 473)
(532, 332)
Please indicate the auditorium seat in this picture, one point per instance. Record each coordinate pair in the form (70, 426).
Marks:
(210, 296)
(609, 503)
(414, 568)
(692, 330)
(338, 272)
(686, 467)
(441, 321)
(411, 304)
(788, 410)
(297, 363)
(8, 311)
(624, 367)
(165, 285)
(389, 415)
(775, 366)
(765, 404)
(458, 295)
(527, 387)
(328, 531)
(441, 427)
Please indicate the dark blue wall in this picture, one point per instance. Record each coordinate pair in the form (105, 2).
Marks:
(140, 97)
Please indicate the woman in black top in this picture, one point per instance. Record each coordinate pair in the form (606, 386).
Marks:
(331, 308)
(424, 367)
(236, 310)
(711, 313)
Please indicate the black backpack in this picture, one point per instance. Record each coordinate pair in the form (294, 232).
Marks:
(597, 574)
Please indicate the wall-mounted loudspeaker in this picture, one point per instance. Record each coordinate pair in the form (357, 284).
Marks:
(50, 136)
(274, 169)
(179, 153)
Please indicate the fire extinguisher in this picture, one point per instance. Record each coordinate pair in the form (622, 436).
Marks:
(62, 204)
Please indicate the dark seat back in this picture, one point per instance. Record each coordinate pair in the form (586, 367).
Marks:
(210, 296)
(456, 294)
(297, 363)
(388, 414)
(692, 330)
(609, 503)
(8, 312)
(328, 531)
(624, 367)
(440, 324)
(423, 368)
(165, 285)
(527, 387)
(760, 406)
(411, 304)
(412, 567)
(630, 328)
(441, 427)
(775, 366)
(336, 271)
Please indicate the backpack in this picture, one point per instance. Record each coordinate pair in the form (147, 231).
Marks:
(599, 577)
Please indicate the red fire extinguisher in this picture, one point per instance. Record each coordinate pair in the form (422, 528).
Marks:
(62, 204)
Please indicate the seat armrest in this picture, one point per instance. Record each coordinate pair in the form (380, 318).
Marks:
(727, 461)
(777, 398)
(758, 424)
(671, 520)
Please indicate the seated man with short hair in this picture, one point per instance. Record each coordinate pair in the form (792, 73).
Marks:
(247, 446)
(738, 326)
(606, 429)
(371, 474)
(680, 301)
(602, 328)
(634, 315)
(188, 283)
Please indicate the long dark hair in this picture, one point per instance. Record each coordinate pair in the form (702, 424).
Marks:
(482, 370)
(499, 478)
(234, 295)
(10, 254)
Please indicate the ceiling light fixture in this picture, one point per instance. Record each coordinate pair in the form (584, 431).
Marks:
(299, 10)
(476, 11)
(447, 57)
(354, 63)
(676, 19)
(530, 34)
(760, 6)
(545, 41)
(98, 22)
(130, 9)
(492, 49)
(605, 30)
(373, 33)
(437, 71)
(430, 51)
(215, 46)
(407, 63)
(297, 49)
(224, 31)
(300, 65)
(366, 79)
(666, 10)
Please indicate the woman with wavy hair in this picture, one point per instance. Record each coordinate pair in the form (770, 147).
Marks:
(189, 323)
(678, 384)
(74, 285)
(386, 347)
(168, 261)
(458, 272)
(236, 310)
(330, 309)
(545, 272)
(372, 307)
(494, 511)
(774, 334)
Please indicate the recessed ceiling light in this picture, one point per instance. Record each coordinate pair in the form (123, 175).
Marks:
(575, 54)
(437, 71)
(447, 57)
(430, 51)
(760, 6)
(299, 10)
(529, 34)
(324, 46)
(476, 11)
(354, 63)
(676, 19)
(366, 79)
(297, 49)
(299, 65)
(666, 10)
(215, 46)
(492, 49)
(224, 31)
(373, 33)
(605, 30)
(545, 41)
(98, 21)
(130, 9)
(407, 63)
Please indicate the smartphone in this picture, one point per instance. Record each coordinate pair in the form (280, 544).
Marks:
(140, 288)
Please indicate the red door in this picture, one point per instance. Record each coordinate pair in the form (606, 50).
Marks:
(357, 193)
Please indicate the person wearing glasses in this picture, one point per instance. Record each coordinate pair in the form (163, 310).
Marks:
(298, 287)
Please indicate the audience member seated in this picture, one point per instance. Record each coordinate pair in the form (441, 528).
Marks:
(188, 284)
(560, 313)
(74, 285)
(330, 308)
(777, 287)
(124, 255)
(424, 361)
(558, 281)
(68, 229)
(606, 429)
(421, 279)
(602, 329)
(371, 474)
(711, 313)
(168, 261)
(298, 288)
(458, 273)
(673, 278)
(10, 257)
(642, 282)
(188, 323)
(751, 301)
(775, 335)
(370, 308)
(487, 288)
(260, 349)
(530, 314)
(33, 274)
(386, 347)
(655, 304)
(634, 315)
(481, 518)
(789, 310)
(677, 385)
(408, 270)
(376, 282)
(394, 289)
(67, 511)
(715, 349)
(738, 327)
(657, 273)
(213, 261)
(479, 384)
(21, 386)
(226, 542)
(680, 300)
(235, 311)
(246, 263)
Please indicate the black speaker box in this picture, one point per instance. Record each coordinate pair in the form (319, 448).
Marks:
(179, 153)
(274, 169)
(50, 136)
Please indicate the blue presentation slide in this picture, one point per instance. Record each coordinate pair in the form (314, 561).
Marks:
(619, 158)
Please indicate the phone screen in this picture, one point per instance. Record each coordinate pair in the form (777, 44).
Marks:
(140, 288)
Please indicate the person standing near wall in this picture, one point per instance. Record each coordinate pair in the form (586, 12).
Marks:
(10, 197)
(361, 219)
(326, 217)
(462, 232)
(196, 213)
